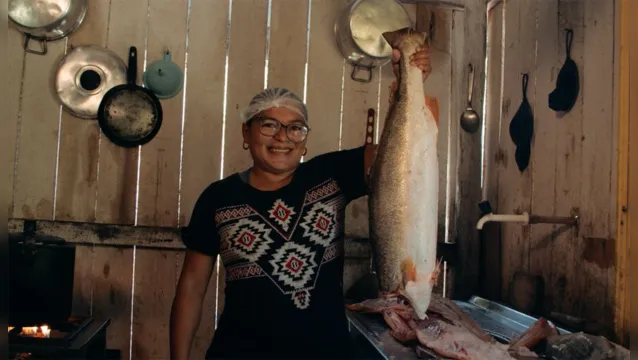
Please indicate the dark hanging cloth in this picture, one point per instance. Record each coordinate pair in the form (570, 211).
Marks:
(522, 129)
(564, 95)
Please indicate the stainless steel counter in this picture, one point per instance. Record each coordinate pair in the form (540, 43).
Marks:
(502, 322)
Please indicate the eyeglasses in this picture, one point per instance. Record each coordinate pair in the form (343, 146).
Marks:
(296, 132)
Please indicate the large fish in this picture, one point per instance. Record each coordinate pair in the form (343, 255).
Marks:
(404, 187)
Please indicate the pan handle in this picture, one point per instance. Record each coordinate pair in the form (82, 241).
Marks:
(131, 72)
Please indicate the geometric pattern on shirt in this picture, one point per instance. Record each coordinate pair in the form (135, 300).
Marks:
(320, 224)
(321, 191)
(247, 239)
(293, 267)
(248, 248)
(301, 299)
(244, 271)
(332, 252)
(231, 213)
(281, 213)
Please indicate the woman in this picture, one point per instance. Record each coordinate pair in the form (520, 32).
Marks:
(278, 227)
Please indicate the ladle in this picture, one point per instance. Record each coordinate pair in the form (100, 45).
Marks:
(470, 119)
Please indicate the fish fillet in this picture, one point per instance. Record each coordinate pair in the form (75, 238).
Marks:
(404, 187)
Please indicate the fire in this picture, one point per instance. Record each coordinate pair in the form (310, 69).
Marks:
(10, 328)
(36, 331)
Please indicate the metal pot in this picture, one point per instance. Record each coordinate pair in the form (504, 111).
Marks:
(46, 20)
(359, 33)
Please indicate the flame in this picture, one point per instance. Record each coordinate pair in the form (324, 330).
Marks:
(36, 331)
(10, 328)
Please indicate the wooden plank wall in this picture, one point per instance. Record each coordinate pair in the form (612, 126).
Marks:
(572, 169)
(67, 171)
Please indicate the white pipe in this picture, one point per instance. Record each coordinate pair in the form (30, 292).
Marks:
(522, 218)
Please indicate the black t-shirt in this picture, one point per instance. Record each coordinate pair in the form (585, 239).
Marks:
(283, 255)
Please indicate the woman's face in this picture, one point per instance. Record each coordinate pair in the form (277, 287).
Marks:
(275, 154)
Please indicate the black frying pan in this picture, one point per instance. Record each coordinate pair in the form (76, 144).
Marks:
(130, 115)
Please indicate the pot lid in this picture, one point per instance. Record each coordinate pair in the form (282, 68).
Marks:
(37, 13)
(371, 18)
(84, 75)
(163, 77)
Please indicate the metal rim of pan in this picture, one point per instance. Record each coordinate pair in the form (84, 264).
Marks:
(106, 128)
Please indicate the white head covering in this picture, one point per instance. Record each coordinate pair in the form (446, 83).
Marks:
(275, 97)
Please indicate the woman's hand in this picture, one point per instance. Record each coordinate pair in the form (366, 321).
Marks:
(420, 59)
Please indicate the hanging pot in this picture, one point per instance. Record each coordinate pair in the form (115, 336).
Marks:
(84, 75)
(163, 77)
(359, 29)
(46, 20)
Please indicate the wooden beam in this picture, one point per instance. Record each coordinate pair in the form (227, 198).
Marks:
(103, 234)
(140, 236)
(625, 204)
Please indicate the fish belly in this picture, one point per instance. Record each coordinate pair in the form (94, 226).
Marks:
(404, 195)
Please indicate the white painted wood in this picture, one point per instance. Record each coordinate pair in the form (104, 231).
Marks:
(118, 166)
(160, 158)
(204, 107)
(325, 70)
(15, 68)
(245, 76)
(78, 154)
(34, 182)
(288, 44)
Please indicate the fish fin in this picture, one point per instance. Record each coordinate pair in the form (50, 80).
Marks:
(409, 270)
(433, 104)
(434, 277)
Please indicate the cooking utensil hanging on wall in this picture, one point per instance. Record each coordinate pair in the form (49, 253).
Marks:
(522, 129)
(564, 96)
(359, 29)
(130, 115)
(46, 20)
(470, 120)
(163, 77)
(84, 75)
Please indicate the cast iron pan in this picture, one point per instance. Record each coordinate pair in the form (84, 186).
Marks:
(130, 115)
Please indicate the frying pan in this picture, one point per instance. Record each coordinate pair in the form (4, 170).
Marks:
(130, 115)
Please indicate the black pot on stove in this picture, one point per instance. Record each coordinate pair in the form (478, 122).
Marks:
(41, 272)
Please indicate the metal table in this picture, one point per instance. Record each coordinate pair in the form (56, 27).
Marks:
(500, 321)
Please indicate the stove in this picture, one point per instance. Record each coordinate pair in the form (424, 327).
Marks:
(41, 322)
(75, 338)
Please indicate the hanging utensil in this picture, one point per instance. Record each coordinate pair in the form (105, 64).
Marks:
(522, 129)
(564, 95)
(470, 120)
(359, 30)
(163, 77)
(130, 115)
(84, 75)
(46, 20)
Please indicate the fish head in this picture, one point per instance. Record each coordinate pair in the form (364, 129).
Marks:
(406, 40)
(419, 294)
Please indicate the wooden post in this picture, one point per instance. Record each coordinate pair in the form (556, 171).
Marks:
(627, 166)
